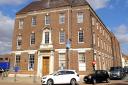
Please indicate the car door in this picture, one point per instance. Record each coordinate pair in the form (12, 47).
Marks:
(58, 77)
(99, 76)
(68, 76)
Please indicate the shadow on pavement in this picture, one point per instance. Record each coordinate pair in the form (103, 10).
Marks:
(126, 81)
(119, 84)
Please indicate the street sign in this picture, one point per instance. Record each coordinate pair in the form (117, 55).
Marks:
(68, 44)
(94, 62)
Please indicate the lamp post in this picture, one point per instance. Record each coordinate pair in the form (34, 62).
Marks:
(68, 45)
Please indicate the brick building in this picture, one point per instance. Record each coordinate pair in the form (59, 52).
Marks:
(117, 55)
(60, 34)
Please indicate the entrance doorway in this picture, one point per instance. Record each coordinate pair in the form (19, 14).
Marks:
(45, 65)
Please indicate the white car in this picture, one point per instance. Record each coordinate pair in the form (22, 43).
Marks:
(61, 77)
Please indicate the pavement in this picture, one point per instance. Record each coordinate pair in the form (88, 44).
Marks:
(26, 80)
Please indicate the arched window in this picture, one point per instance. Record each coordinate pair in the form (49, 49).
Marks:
(46, 36)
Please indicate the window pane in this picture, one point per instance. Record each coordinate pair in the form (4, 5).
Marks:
(61, 18)
(93, 21)
(62, 37)
(62, 60)
(47, 20)
(21, 23)
(17, 60)
(33, 21)
(81, 36)
(82, 63)
(32, 38)
(81, 58)
(19, 41)
(46, 37)
(80, 17)
(31, 61)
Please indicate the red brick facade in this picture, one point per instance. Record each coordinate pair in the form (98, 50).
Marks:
(96, 45)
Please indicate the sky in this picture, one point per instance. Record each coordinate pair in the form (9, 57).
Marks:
(113, 13)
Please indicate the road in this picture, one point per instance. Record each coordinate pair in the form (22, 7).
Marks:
(124, 81)
(29, 81)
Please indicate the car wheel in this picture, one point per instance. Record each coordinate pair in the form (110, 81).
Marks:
(50, 82)
(73, 82)
(108, 80)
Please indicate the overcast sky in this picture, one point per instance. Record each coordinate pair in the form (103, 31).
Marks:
(114, 14)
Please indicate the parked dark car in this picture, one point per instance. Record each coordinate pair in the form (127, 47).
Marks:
(117, 73)
(126, 69)
(97, 76)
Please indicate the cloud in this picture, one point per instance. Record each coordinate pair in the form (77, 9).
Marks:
(121, 33)
(98, 4)
(6, 28)
(12, 2)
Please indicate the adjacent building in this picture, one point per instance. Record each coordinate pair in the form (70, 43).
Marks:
(60, 34)
(117, 55)
(124, 60)
(5, 57)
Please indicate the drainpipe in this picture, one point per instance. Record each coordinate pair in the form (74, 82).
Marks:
(92, 43)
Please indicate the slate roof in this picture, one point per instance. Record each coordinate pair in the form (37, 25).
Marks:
(47, 4)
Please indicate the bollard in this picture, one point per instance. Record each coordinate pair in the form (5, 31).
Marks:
(2, 75)
(15, 77)
(34, 78)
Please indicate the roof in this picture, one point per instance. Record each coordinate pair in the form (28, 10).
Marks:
(47, 4)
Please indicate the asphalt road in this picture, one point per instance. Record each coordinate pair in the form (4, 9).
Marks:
(124, 81)
(113, 82)
(29, 81)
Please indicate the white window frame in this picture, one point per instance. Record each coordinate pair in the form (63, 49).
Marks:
(62, 61)
(101, 44)
(47, 19)
(98, 42)
(21, 23)
(31, 39)
(104, 46)
(43, 40)
(31, 69)
(18, 60)
(34, 21)
(80, 17)
(79, 36)
(100, 29)
(97, 25)
(19, 38)
(103, 32)
(99, 62)
(60, 36)
(61, 18)
(93, 21)
(81, 65)
(94, 38)
(46, 37)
